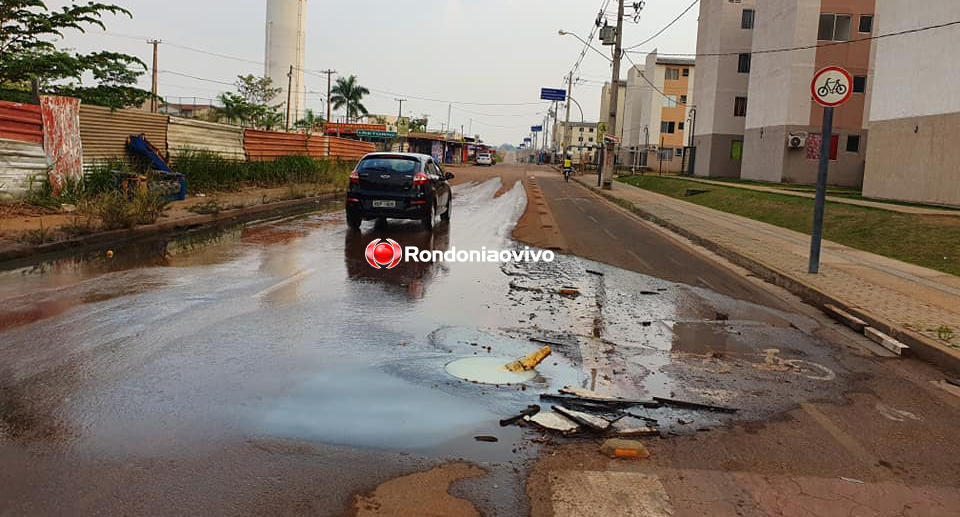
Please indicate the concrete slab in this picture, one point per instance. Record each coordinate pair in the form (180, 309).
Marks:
(886, 341)
(603, 494)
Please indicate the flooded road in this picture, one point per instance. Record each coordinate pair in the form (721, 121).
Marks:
(268, 369)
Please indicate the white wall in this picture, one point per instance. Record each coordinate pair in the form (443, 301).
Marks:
(780, 82)
(916, 74)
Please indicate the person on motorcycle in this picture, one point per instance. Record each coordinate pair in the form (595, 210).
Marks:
(567, 168)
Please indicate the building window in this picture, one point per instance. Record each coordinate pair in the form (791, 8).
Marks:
(860, 84)
(678, 152)
(673, 74)
(743, 66)
(686, 72)
(853, 143)
(591, 139)
(666, 155)
(591, 130)
(740, 107)
(680, 126)
(669, 101)
(736, 150)
(581, 139)
(581, 130)
(866, 23)
(834, 27)
(668, 127)
(683, 100)
(749, 17)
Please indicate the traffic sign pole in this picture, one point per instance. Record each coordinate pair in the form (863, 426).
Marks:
(826, 149)
(831, 87)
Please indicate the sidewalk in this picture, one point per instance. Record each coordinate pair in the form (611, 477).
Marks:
(908, 302)
(847, 201)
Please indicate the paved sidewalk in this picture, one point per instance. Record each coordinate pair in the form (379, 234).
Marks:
(919, 210)
(909, 302)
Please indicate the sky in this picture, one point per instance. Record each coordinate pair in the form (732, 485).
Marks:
(488, 58)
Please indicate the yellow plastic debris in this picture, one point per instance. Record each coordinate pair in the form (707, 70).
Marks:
(531, 361)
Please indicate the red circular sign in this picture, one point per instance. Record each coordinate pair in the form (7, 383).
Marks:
(832, 86)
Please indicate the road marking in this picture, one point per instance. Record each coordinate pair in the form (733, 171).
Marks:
(295, 278)
(848, 442)
(640, 259)
(612, 236)
(592, 218)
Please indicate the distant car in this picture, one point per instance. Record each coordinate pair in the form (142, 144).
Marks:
(485, 159)
(398, 186)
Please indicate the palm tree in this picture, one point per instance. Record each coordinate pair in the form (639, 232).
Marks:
(350, 94)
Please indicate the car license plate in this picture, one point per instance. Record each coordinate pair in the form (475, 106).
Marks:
(384, 204)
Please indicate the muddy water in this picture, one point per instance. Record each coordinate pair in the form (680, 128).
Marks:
(173, 356)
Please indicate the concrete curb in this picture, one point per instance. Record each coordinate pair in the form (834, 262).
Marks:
(16, 256)
(920, 345)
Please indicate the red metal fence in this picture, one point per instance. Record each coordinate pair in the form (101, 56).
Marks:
(344, 149)
(268, 145)
(21, 122)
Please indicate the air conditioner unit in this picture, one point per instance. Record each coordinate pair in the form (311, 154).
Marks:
(797, 140)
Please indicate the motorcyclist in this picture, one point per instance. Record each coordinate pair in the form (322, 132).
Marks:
(567, 168)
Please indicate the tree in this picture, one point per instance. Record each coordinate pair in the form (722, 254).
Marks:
(350, 94)
(310, 121)
(250, 106)
(418, 125)
(31, 62)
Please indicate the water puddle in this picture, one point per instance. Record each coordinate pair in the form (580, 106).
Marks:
(487, 370)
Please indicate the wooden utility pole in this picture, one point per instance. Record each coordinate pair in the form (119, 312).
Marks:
(610, 158)
(154, 99)
(329, 76)
(400, 116)
(289, 94)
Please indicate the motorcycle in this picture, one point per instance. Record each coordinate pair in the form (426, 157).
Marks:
(567, 171)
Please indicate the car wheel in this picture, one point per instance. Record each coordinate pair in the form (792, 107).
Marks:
(446, 215)
(354, 221)
(430, 219)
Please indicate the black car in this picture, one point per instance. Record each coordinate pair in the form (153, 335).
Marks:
(398, 186)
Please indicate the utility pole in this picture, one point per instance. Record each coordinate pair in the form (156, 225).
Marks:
(566, 132)
(289, 94)
(154, 99)
(399, 116)
(609, 158)
(329, 76)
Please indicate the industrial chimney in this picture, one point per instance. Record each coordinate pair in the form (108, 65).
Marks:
(286, 46)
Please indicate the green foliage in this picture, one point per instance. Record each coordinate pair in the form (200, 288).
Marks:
(209, 172)
(945, 333)
(116, 210)
(418, 125)
(30, 60)
(251, 105)
(310, 121)
(347, 92)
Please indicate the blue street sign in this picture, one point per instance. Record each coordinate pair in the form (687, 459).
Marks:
(536, 129)
(551, 94)
(527, 140)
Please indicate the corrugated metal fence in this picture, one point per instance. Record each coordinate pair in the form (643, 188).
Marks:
(21, 122)
(104, 131)
(20, 162)
(345, 149)
(190, 134)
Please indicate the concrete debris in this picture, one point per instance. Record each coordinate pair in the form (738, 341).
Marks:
(851, 480)
(530, 411)
(619, 448)
(955, 382)
(531, 361)
(886, 341)
(554, 422)
(595, 273)
(570, 291)
(695, 405)
(846, 318)
(488, 439)
(587, 394)
(633, 427)
(594, 423)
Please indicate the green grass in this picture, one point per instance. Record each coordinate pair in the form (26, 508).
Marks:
(927, 240)
(207, 172)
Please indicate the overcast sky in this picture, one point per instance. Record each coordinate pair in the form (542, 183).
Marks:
(464, 51)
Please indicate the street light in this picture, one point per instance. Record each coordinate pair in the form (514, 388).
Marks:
(585, 42)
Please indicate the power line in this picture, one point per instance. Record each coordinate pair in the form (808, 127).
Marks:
(819, 45)
(661, 31)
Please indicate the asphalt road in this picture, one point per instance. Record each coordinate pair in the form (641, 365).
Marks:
(269, 370)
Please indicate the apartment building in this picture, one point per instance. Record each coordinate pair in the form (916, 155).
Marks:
(605, 108)
(724, 44)
(764, 94)
(584, 140)
(657, 111)
(779, 104)
(915, 113)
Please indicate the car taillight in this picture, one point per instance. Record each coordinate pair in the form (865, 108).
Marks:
(354, 177)
(420, 180)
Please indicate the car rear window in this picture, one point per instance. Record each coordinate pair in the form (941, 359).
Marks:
(395, 165)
